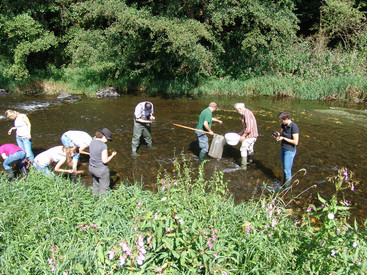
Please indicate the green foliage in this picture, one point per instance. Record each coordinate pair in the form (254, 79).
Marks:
(190, 225)
(340, 19)
(24, 36)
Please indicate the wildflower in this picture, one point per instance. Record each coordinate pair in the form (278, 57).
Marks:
(224, 273)
(338, 231)
(322, 205)
(140, 259)
(149, 239)
(168, 229)
(53, 249)
(135, 228)
(346, 174)
(111, 254)
(175, 183)
(308, 209)
(53, 268)
(50, 261)
(270, 214)
(347, 203)
(352, 188)
(266, 226)
(156, 215)
(214, 237)
(142, 250)
(201, 267)
(213, 231)
(140, 203)
(163, 187)
(355, 244)
(273, 223)
(122, 259)
(164, 198)
(159, 269)
(333, 252)
(94, 226)
(346, 227)
(331, 216)
(180, 221)
(296, 223)
(215, 256)
(140, 241)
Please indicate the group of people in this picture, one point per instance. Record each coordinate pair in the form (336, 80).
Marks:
(73, 142)
(76, 142)
(288, 136)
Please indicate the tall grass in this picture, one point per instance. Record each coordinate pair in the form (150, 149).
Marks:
(190, 225)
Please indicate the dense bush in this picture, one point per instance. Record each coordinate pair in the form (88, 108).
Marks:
(190, 225)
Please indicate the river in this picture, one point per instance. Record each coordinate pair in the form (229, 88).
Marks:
(332, 136)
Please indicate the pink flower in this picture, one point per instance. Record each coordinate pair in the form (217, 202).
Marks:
(213, 231)
(308, 209)
(215, 256)
(355, 244)
(296, 223)
(224, 273)
(180, 221)
(214, 237)
(352, 188)
(273, 223)
(111, 254)
(333, 252)
(201, 267)
(346, 174)
(140, 259)
(347, 203)
(53, 268)
(149, 239)
(53, 249)
(50, 261)
(122, 259)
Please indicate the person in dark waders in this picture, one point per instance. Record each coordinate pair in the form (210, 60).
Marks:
(143, 118)
(205, 124)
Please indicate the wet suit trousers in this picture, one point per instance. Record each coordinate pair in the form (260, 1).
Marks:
(141, 130)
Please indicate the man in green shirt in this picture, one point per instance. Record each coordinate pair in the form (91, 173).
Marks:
(205, 124)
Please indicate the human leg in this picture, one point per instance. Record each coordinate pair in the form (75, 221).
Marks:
(287, 161)
(43, 169)
(101, 179)
(26, 145)
(137, 132)
(247, 151)
(203, 143)
(146, 133)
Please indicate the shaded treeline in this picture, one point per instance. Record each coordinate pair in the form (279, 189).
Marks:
(140, 44)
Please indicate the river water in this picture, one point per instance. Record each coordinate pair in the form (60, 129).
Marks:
(332, 136)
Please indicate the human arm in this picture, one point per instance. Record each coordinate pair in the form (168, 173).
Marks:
(58, 167)
(217, 120)
(207, 127)
(11, 129)
(293, 140)
(26, 120)
(105, 157)
(143, 120)
(82, 150)
(4, 156)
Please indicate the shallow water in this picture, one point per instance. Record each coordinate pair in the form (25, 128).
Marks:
(332, 135)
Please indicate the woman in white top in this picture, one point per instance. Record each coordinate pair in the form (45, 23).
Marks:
(59, 154)
(22, 125)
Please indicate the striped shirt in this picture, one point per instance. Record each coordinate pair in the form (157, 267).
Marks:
(249, 124)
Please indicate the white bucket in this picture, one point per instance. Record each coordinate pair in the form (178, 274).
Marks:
(232, 138)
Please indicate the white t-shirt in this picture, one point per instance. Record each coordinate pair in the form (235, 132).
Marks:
(23, 130)
(54, 154)
(79, 138)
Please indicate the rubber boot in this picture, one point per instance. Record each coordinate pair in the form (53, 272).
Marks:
(244, 163)
(250, 159)
(10, 174)
(201, 156)
(24, 171)
(133, 151)
(287, 183)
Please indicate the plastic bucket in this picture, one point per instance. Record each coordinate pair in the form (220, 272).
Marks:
(216, 148)
(232, 138)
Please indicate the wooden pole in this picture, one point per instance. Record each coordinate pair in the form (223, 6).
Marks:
(194, 129)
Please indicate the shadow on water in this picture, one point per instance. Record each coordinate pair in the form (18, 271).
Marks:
(332, 136)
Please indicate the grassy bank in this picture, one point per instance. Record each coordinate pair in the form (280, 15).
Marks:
(188, 226)
(342, 88)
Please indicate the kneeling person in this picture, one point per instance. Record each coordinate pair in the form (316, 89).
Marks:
(12, 154)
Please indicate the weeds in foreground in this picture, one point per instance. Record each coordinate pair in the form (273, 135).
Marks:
(190, 225)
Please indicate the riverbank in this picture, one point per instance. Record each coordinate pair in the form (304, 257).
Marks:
(189, 225)
(348, 88)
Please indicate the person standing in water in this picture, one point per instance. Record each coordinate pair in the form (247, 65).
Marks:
(248, 134)
(98, 161)
(289, 137)
(143, 118)
(22, 125)
(205, 123)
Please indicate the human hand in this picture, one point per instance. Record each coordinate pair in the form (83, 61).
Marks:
(9, 132)
(114, 153)
(220, 122)
(211, 133)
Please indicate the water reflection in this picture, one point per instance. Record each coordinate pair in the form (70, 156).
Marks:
(331, 136)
